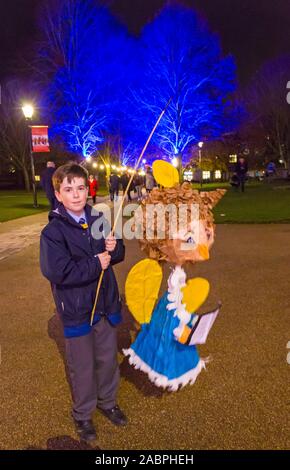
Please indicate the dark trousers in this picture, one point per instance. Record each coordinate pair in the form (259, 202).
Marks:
(113, 193)
(128, 193)
(242, 180)
(139, 191)
(93, 369)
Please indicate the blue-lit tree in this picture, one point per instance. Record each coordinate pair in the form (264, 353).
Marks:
(183, 61)
(90, 67)
(83, 62)
(131, 133)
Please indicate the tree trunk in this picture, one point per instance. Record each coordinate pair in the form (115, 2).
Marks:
(26, 179)
(179, 167)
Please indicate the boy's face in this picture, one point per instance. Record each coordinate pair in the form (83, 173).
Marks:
(73, 195)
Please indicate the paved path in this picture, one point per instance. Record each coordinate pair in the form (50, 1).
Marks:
(240, 402)
(15, 235)
(18, 234)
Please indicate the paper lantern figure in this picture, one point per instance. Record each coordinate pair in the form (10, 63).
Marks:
(165, 347)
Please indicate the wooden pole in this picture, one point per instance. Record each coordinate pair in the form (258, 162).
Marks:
(124, 196)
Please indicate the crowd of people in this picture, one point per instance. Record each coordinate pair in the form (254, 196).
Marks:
(140, 183)
(116, 183)
(137, 184)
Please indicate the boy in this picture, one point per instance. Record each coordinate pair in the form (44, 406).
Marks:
(72, 260)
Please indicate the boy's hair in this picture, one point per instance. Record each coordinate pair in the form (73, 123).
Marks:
(70, 170)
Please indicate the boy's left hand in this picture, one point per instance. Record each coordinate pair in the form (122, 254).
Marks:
(110, 242)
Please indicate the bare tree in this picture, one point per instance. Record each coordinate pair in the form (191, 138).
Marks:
(79, 66)
(14, 147)
(182, 60)
(269, 110)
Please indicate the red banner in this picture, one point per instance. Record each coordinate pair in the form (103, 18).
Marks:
(39, 136)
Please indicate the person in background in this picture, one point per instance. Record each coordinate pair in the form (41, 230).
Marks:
(114, 187)
(131, 187)
(124, 180)
(138, 182)
(149, 180)
(270, 169)
(241, 171)
(93, 188)
(47, 186)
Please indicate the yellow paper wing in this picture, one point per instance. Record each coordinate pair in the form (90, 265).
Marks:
(195, 293)
(142, 288)
(165, 173)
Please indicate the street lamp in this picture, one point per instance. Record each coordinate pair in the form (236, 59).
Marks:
(200, 145)
(28, 111)
(175, 162)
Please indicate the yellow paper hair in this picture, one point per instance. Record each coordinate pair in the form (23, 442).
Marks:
(165, 173)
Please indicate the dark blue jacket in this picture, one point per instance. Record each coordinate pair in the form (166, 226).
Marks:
(114, 182)
(68, 259)
(241, 168)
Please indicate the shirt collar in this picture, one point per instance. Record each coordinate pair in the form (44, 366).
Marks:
(77, 217)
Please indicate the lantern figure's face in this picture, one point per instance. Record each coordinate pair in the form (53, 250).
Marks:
(189, 237)
(189, 244)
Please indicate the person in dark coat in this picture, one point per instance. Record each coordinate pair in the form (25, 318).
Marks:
(124, 180)
(114, 186)
(150, 182)
(138, 182)
(75, 247)
(270, 169)
(241, 171)
(47, 186)
(132, 186)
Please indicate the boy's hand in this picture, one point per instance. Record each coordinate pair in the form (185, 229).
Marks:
(110, 242)
(105, 259)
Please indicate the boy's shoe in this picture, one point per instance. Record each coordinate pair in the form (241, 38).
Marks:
(115, 415)
(86, 430)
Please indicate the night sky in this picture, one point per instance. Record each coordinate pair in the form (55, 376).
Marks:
(252, 31)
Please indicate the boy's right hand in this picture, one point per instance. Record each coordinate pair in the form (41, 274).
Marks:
(105, 259)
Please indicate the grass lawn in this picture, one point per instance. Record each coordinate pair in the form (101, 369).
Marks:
(260, 203)
(15, 204)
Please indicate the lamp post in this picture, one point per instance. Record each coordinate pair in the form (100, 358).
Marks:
(28, 111)
(200, 144)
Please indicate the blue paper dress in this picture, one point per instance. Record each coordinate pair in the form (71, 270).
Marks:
(156, 351)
